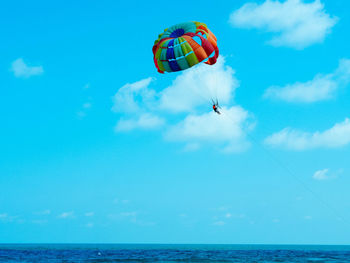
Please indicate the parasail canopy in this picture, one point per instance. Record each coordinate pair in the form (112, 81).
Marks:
(184, 45)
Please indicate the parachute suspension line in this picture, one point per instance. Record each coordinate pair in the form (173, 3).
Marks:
(210, 92)
(216, 88)
(294, 176)
(212, 89)
(206, 100)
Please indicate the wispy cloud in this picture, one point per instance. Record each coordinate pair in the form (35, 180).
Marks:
(121, 201)
(128, 214)
(89, 225)
(89, 214)
(223, 208)
(293, 23)
(134, 217)
(321, 87)
(43, 212)
(326, 174)
(83, 111)
(66, 215)
(224, 215)
(81, 114)
(228, 215)
(4, 217)
(145, 121)
(337, 136)
(21, 69)
(321, 174)
(219, 223)
(87, 105)
(131, 215)
(39, 221)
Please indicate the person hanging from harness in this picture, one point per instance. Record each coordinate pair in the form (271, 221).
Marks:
(216, 106)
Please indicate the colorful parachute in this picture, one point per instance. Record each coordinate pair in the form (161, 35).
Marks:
(183, 46)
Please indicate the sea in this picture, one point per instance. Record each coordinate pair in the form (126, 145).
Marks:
(171, 253)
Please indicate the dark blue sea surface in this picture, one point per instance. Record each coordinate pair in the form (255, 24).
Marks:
(171, 253)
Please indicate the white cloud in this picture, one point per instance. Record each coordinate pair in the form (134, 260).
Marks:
(66, 215)
(307, 217)
(337, 136)
(136, 99)
(21, 69)
(321, 87)
(326, 174)
(184, 102)
(89, 225)
(145, 121)
(226, 128)
(321, 175)
(198, 85)
(132, 97)
(293, 23)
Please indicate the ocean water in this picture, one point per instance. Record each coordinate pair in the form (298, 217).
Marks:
(171, 253)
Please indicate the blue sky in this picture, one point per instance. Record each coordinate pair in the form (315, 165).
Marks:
(96, 146)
